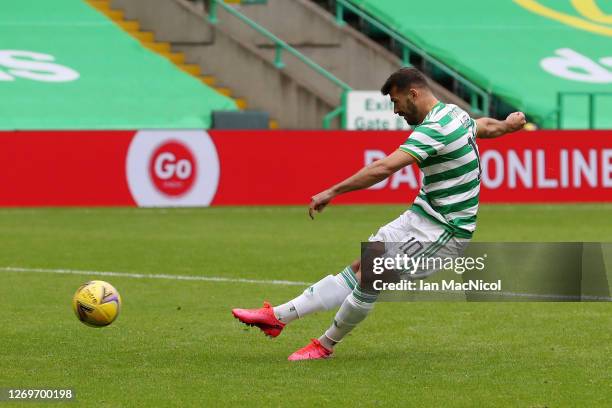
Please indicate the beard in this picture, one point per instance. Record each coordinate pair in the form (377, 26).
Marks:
(412, 120)
(411, 116)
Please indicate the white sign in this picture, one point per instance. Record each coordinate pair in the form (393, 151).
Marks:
(34, 66)
(569, 64)
(370, 110)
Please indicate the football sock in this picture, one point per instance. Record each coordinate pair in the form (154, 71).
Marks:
(354, 309)
(326, 294)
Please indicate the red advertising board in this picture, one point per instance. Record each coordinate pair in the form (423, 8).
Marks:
(200, 168)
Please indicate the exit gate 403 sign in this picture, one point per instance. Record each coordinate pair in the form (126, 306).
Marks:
(370, 110)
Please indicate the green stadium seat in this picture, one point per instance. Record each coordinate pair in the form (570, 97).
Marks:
(67, 66)
(525, 51)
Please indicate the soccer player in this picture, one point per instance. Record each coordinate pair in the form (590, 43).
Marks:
(444, 213)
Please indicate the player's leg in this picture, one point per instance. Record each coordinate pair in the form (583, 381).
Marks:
(356, 307)
(436, 241)
(326, 294)
(353, 311)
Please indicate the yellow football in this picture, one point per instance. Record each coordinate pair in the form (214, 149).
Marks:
(96, 303)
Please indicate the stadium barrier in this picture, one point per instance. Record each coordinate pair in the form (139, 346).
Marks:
(200, 168)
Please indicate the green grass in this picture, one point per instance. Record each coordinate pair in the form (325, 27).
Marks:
(176, 344)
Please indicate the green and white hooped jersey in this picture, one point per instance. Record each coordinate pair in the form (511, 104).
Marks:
(445, 148)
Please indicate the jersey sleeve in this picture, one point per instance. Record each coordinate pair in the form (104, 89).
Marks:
(424, 142)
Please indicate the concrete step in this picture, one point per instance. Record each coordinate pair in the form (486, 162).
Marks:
(115, 15)
(208, 80)
(161, 47)
(241, 103)
(192, 69)
(143, 36)
(129, 25)
(177, 58)
(101, 5)
(224, 91)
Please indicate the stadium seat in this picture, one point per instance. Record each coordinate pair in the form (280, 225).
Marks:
(80, 70)
(570, 54)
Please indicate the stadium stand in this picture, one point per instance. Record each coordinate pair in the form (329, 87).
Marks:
(69, 67)
(512, 48)
(294, 93)
(251, 119)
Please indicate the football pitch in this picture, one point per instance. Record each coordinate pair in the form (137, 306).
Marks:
(176, 343)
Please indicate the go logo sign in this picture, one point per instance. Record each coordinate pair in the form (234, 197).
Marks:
(172, 168)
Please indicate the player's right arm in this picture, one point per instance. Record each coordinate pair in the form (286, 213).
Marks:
(490, 128)
(364, 178)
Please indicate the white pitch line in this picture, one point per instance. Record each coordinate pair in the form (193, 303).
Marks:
(552, 297)
(518, 295)
(278, 282)
(154, 276)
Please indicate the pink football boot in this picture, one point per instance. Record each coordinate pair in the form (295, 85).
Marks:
(263, 318)
(313, 351)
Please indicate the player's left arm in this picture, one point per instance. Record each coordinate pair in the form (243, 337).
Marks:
(490, 128)
(364, 178)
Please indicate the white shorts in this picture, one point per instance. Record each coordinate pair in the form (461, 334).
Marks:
(415, 235)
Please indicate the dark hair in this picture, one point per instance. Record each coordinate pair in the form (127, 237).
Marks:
(404, 78)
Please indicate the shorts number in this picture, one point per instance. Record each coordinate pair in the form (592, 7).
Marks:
(411, 247)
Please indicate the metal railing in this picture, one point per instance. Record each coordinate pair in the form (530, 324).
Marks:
(339, 111)
(591, 97)
(478, 106)
(280, 47)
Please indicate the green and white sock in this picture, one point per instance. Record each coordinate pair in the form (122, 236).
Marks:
(326, 294)
(353, 311)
